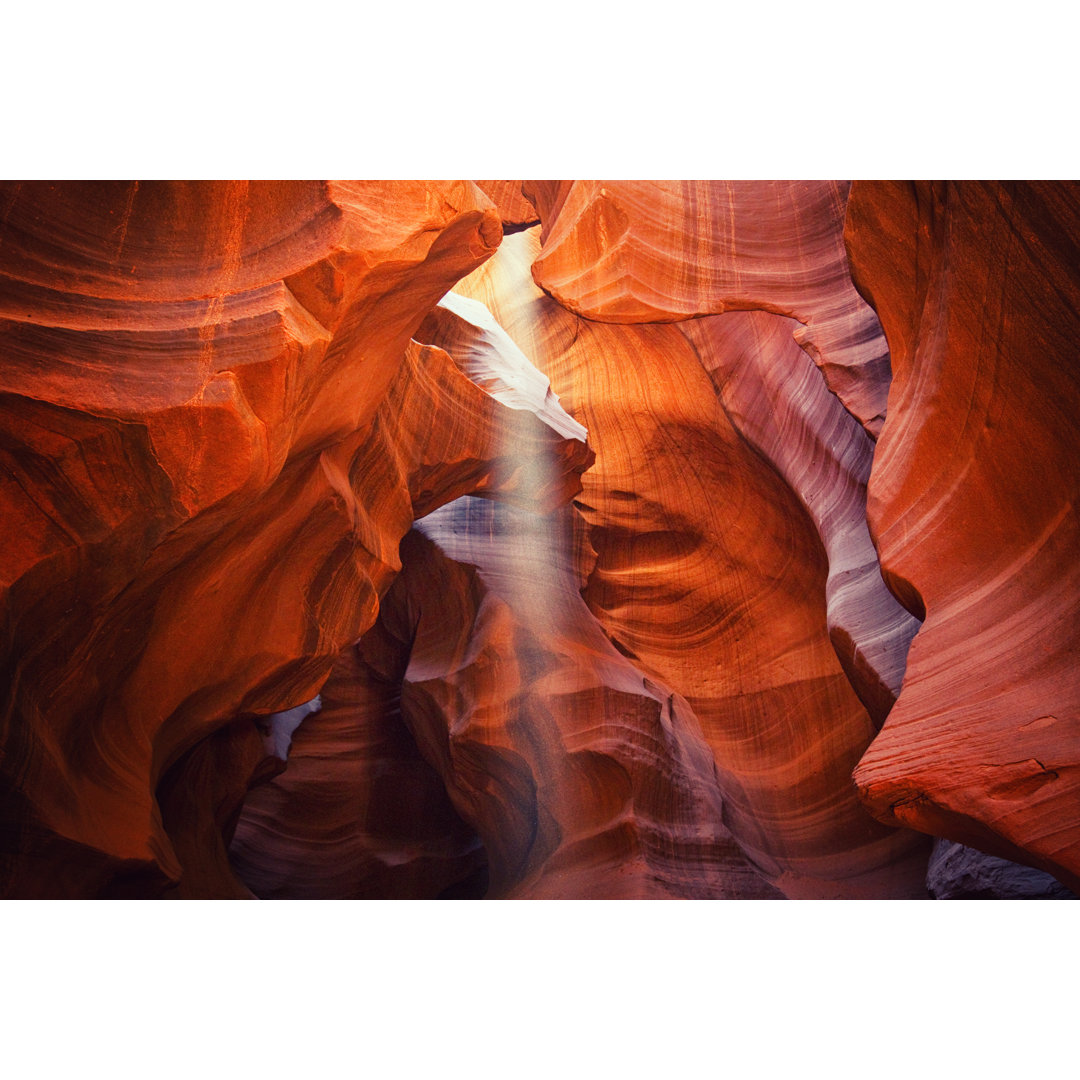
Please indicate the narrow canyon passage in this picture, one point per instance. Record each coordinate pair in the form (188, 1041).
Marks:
(545, 504)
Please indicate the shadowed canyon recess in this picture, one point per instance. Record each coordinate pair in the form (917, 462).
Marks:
(539, 539)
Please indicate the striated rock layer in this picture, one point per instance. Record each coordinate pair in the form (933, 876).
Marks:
(972, 504)
(295, 604)
(583, 778)
(776, 400)
(214, 431)
(709, 576)
(710, 687)
(358, 813)
(661, 251)
(580, 776)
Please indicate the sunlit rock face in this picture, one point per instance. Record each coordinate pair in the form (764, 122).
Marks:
(515, 211)
(707, 572)
(352, 548)
(973, 500)
(661, 251)
(582, 776)
(208, 465)
(575, 774)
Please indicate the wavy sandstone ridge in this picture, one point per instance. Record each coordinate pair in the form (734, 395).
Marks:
(972, 503)
(335, 824)
(215, 431)
(662, 251)
(775, 399)
(582, 778)
(295, 604)
(357, 813)
(709, 576)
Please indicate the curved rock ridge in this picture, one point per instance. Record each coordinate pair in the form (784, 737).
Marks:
(274, 445)
(214, 418)
(583, 778)
(484, 352)
(972, 503)
(157, 241)
(246, 303)
(709, 576)
(358, 813)
(775, 398)
(662, 251)
(332, 824)
(411, 465)
(515, 211)
(201, 797)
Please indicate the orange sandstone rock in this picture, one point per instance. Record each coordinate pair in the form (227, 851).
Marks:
(206, 475)
(776, 399)
(972, 503)
(710, 578)
(224, 405)
(515, 211)
(582, 777)
(662, 251)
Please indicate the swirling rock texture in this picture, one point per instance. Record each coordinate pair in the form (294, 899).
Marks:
(777, 401)
(579, 776)
(358, 813)
(972, 502)
(515, 211)
(710, 577)
(634, 252)
(296, 604)
(208, 466)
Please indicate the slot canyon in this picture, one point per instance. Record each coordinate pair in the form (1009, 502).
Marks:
(539, 540)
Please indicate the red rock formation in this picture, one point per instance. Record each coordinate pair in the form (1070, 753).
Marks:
(515, 211)
(208, 464)
(775, 398)
(583, 778)
(358, 813)
(972, 505)
(709, 576)
(223, 407)
(661, 251)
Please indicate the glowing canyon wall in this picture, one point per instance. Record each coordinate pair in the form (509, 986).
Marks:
(539, 539)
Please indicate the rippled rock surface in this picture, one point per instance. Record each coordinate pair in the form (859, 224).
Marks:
(973, 504)
(539, 539)
(707, 572)
(661, 251)
(215, 431)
